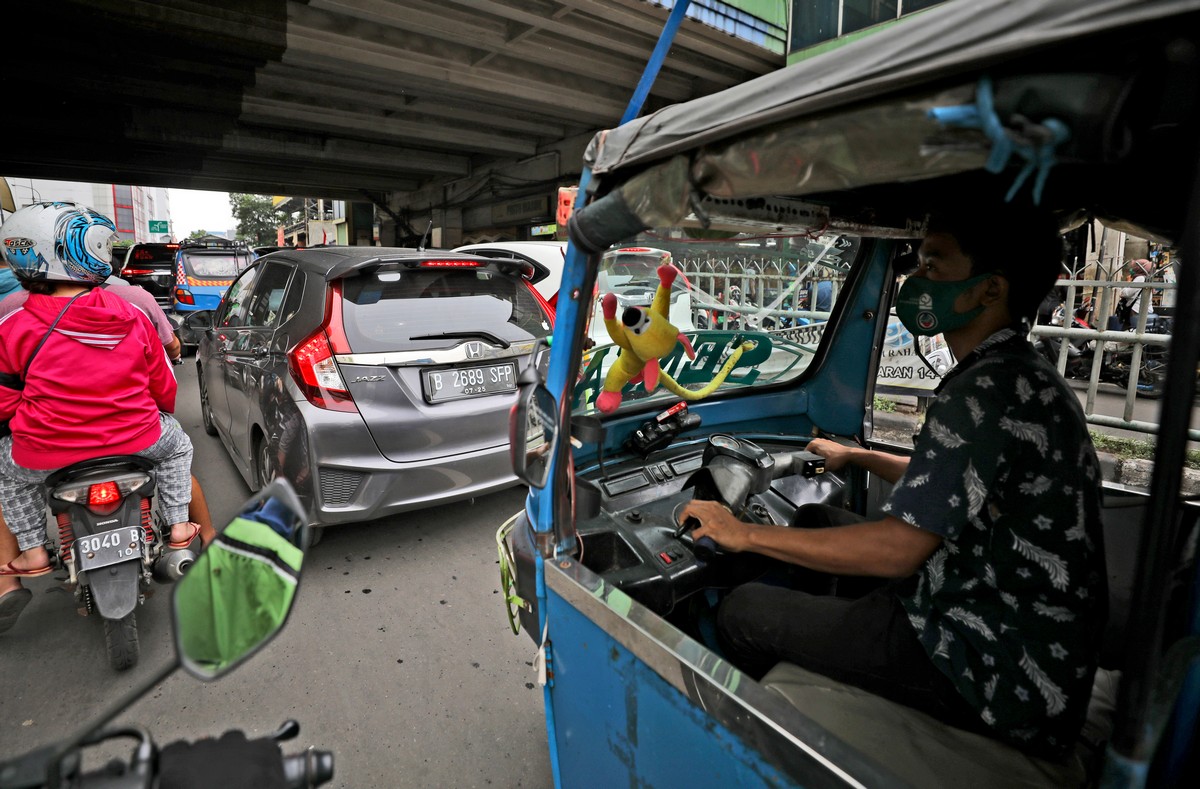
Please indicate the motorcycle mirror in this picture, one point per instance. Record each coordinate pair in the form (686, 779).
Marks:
(229, 604)
(534, 434)
(237, 595)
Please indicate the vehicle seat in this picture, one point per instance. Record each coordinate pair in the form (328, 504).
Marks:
(923, 751)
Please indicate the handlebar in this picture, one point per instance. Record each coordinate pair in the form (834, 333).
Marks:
(311, 768)
(234, 761)
(230, 762)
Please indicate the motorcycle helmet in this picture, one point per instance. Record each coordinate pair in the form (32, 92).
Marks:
(59, 241)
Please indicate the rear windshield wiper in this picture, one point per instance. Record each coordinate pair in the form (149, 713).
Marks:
(467, 335)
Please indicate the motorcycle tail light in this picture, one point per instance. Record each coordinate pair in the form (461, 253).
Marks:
(81, 492)
(103, 493)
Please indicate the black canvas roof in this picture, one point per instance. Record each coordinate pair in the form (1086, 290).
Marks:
(931, 46)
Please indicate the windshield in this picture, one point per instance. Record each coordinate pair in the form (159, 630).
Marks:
(214, 266)
(436, 308)
(763, 299)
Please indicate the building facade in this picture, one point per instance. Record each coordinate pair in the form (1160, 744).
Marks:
(140, 213)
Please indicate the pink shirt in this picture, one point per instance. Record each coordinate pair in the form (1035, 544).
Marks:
(95, 387)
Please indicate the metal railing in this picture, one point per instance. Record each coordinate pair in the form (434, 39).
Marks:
(1129, 359)
(1121, 358)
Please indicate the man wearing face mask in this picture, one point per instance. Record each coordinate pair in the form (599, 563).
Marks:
(994, 595)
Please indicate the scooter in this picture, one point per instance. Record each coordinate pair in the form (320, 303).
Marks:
(258, 554)
(111, 544)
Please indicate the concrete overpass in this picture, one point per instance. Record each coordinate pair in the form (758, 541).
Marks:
(426, 108)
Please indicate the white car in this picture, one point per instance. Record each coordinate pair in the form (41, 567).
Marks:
(632, 274)
(548, 255)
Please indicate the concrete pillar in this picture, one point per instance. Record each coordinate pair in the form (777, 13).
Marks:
(447, 228)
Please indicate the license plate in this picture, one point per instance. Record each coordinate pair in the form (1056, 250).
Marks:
(108, 547)
(460, 382)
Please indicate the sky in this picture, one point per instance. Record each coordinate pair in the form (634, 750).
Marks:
(192, 210)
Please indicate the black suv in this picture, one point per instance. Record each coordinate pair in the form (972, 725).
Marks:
(152, 266)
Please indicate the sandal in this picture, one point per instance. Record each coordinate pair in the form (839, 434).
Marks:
(8, 571)
(175, 546)
(11, 606)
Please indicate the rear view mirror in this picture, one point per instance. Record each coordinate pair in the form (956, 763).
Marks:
(202, 319)
(237, 595)
(539, 364)
(533, 434)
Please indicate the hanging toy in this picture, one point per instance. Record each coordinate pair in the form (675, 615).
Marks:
(645, 336)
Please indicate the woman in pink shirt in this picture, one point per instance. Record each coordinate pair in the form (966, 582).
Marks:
(99, 382)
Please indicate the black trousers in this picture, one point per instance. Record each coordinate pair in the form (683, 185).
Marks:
(859, 636)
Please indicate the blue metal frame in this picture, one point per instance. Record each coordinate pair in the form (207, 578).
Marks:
(568, 309)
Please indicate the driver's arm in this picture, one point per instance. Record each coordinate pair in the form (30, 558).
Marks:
(887, 548)
(837, 456)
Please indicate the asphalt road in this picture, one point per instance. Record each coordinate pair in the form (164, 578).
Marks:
(397, 657)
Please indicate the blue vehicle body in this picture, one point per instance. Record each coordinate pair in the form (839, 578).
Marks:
(203, 272)
(636, 689)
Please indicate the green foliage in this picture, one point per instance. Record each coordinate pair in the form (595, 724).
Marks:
(1137, 448)
(257, 221)
(881, 404)
(197, 234)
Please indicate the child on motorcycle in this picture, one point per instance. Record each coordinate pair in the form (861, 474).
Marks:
(83, 375)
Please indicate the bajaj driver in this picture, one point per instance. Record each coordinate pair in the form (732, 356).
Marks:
(996, 597)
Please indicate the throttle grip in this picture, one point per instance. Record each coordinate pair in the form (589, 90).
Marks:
(311, 768)
(705, 549)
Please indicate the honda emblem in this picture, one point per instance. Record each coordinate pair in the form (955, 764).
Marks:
(474, 350)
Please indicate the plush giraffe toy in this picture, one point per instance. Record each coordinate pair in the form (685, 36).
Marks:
(644, 336)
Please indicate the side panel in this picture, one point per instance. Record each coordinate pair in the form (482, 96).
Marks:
(634, 702)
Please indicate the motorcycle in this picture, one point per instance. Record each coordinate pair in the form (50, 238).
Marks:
(111, 544)
(258, 556)
(1117, 361)
(1079, 350)
(1152, 368)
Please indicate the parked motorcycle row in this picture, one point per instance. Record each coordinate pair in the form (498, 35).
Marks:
(1116, 358)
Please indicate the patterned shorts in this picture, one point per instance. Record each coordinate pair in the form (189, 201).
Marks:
(23, 498)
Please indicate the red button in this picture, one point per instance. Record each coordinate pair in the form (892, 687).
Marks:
(666, 559)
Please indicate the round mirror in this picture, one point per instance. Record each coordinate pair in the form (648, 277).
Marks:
(237, 595)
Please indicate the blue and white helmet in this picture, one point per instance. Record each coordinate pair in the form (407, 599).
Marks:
(59, 241)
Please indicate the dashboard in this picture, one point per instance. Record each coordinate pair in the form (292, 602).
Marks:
(634, 541)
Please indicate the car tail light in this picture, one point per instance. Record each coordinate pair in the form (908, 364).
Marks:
(184, 296)
(138, 272)
(451, 264)
(312, 364)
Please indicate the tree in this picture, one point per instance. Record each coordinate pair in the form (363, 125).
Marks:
(197, 234)
(257, 221)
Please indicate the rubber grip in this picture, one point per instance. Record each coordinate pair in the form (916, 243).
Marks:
(704, 548)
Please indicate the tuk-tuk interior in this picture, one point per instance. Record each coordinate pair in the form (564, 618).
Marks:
(1108, 123)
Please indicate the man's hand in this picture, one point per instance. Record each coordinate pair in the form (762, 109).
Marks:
(717, 522)
(836, 455)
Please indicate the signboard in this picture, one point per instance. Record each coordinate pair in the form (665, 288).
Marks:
(160, 226)
(901, 370)
(543, 230)
(516, 210)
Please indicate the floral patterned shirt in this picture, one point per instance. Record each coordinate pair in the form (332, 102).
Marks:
(1011, 607)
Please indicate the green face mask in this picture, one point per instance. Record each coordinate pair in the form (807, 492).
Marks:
(926, 307)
